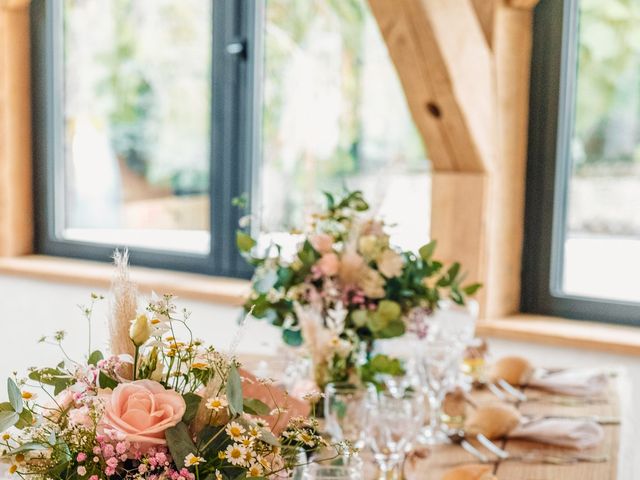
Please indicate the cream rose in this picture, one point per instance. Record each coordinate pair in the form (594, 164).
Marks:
(329, 264)
(390, 264)
(372, 284)
(142, 411)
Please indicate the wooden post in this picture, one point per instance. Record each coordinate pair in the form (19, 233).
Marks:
(470, 59)
(16, 204)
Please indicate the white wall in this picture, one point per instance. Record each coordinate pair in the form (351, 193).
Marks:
(31, 308)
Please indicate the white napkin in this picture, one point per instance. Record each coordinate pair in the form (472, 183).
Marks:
(563, 432)
(577, 382)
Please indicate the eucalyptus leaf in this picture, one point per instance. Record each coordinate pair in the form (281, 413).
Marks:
(234, 391)
(292, 337)
(15, 396)
(193, 403)
(180, 443)
(28, 447)
(253, 406)
(8, 419)
(472, 289)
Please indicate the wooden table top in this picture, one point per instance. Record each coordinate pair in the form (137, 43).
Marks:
(442, 458)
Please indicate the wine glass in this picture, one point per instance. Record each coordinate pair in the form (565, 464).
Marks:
(391, 430)
(348, 467)
(347, 410)
(440, 362)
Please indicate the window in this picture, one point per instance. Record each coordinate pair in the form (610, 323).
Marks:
(152, 115)
(582, 248)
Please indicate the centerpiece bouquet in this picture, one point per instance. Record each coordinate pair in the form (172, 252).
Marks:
(347, 286)
(158, 408)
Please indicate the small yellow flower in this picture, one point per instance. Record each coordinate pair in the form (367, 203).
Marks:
(235, 430)
(6, 436)
(191, 460)
(19, 458)
(246, 441)
(254, 431)
(199, 366)
(217, 403)
(13, 468)
(221, 455)
(155, 321)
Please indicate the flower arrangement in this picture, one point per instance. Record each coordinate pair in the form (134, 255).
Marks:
(346, 286)
(158, 408)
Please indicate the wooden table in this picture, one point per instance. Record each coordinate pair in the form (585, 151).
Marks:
(442, 458)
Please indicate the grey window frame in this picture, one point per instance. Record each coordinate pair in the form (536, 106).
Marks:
(552, 110)
(236, 76)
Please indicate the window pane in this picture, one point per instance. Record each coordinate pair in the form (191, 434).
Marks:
(137, 94)
(602, 249)
(335, 114)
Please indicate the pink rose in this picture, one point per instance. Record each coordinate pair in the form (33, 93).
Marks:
(329, 264)
(322, 242)
(142, 411)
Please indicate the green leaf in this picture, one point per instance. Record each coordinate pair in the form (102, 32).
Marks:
(359, 317)
(15, 396)
(180, 443)
(106, 381)
(193, 403)
(244, 242)
(234, 391)
(8, 420)
(385, 364)
(395, 328)
(453, 271)
(292, 337)
(472, 289)
(376, 322)
(58, 470)
(308, 254)
(95, 357)
(426, 251)
(25, 420)
(389, 310)
(331, 202)
(28, 447)
(253, 406)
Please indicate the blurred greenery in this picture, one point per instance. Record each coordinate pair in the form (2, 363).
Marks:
(607, 105)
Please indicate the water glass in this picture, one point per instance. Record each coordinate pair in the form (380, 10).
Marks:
(347, 409)
(440, 364)
(390, 432)
(343, 468)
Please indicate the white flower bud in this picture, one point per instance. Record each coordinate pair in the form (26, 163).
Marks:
(140, 330)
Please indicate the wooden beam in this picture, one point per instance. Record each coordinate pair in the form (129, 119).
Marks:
(505, 209)
(16, 207)
(445, 66)
(473, 57)
(486, 12)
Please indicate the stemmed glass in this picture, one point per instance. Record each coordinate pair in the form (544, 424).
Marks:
(440, 362)
(347, 409)
(391, 430)
(343, 468)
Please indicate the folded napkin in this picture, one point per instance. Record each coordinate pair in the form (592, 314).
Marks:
(578, 382)
(563, 432)
(470, 472)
